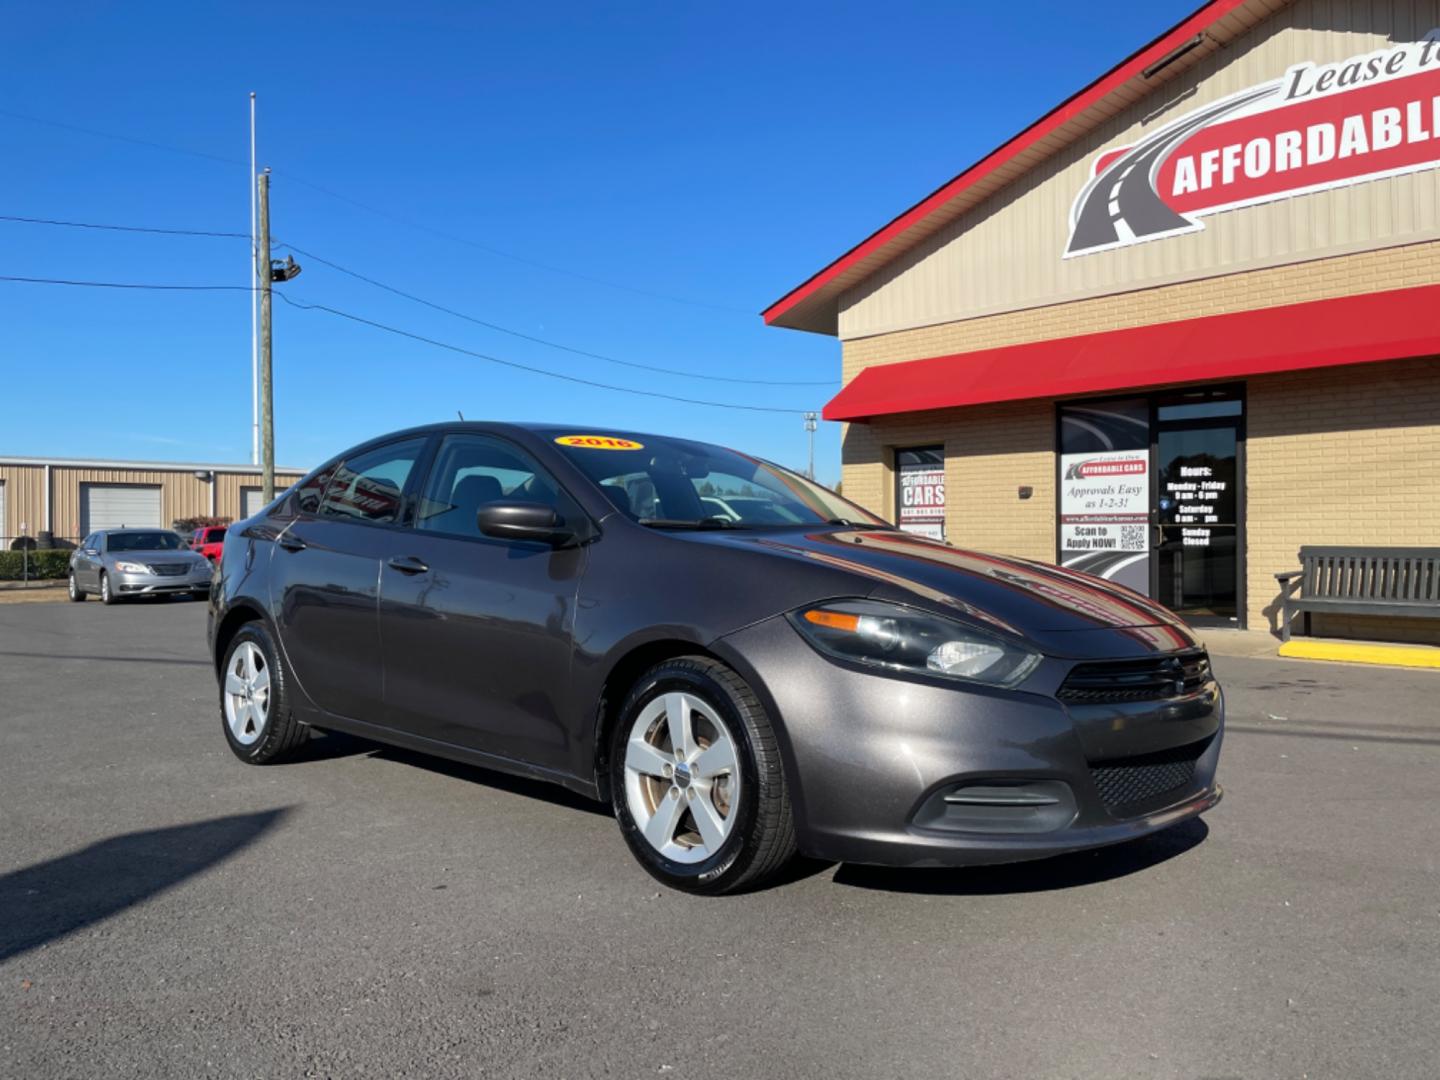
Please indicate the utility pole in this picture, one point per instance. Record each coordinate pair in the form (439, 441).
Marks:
(268, 272)
(810, 425)
(267, 397)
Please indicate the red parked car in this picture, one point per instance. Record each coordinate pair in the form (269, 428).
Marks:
(208, 541)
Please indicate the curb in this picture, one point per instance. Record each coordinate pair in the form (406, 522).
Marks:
(1414, 656)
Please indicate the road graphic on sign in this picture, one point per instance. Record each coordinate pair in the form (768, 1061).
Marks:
(1121, 205)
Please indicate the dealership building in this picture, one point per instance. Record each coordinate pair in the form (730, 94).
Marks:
(70, 498)
(1177, 328)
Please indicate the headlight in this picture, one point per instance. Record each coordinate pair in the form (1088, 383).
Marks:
(902, 639)
(132, 568)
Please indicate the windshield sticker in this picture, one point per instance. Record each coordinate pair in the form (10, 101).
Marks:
(599, 442)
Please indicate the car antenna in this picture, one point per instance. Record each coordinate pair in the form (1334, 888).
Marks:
(460, 414)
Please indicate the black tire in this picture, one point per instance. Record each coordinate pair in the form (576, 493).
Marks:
(281, 733)
(77, 594)
(762, 839)
(200, 595)
(106, 596)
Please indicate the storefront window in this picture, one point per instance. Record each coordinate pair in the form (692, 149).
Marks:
(920, 491)
(1105, 490)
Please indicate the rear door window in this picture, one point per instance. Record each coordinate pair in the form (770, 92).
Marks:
(370, 488)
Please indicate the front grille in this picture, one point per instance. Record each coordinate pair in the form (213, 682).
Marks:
(1150, 679)
(169, 569)
(1128, 783)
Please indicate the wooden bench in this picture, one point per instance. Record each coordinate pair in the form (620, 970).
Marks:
(1361, 581)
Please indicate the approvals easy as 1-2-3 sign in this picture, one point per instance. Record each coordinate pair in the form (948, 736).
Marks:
(1319, 126)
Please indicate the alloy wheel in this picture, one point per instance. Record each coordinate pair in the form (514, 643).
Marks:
(682, 777)
(247, 693)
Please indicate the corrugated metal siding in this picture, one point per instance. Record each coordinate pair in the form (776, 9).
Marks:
(1005, 254)
(182, 494)
(227, 496)
(24, 500)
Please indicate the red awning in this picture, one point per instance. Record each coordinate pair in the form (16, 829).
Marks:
(1322, 333)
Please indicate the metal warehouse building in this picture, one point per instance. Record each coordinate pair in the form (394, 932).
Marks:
(1177, 328)
(71, 498)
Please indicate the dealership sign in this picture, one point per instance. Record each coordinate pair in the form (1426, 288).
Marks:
(922, 499)
(1319, 126)
(1104, 502)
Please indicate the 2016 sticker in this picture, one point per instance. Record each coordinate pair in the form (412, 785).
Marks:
(599, 442)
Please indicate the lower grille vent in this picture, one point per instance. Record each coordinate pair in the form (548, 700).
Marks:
(1128, 783)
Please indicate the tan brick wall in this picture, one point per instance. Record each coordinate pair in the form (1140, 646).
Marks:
(1342, 456)
(1345, 455)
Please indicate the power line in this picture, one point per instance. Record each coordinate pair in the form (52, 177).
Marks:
(121, 138)
(122, 228)
(539, 340)
(125, 285)
(526, 367)
(415, 225)
(497, 327)
(408, 334)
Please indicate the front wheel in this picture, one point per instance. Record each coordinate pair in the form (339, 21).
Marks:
(106, 596)
(696, 779)
(254, 706)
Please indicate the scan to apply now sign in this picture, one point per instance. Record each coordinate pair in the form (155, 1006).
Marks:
(1319, 126)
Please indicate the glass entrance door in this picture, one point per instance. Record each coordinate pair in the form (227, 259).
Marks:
(1198, 563)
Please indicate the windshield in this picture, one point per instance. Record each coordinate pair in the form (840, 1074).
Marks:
(144, 541)
(680, 483)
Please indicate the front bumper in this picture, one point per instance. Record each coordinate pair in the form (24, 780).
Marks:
(127, 584)
(905, 772)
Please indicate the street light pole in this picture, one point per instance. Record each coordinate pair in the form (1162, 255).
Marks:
(810, 425)
(254, 302)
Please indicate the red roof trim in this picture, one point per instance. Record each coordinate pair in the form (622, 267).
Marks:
(1393, 325)
(1067, 110)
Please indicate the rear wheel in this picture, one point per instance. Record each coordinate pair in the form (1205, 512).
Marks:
(254, 708)
(76, 593)
(696, 779)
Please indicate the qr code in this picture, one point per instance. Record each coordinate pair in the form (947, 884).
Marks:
(1132, 537)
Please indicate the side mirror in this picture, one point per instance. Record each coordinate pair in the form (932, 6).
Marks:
(524, 521)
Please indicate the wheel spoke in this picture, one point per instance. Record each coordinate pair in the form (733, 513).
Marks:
(242, 718)
(261, 681)
(717, 758)
(645, 758)
(680, 721)
(708, 819)
(234, 684)
(660, 829)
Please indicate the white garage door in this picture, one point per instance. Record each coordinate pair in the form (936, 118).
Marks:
(250, 501)
(110, 506)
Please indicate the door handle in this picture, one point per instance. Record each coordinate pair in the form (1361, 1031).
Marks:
(408, 564)
(290, 542)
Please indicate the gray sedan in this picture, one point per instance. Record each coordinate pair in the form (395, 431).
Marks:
(118, 563)
(782, 672)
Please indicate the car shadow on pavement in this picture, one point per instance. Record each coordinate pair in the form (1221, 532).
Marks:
(1044, 875)
(48, 900)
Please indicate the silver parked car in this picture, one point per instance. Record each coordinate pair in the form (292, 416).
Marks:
(116, 563)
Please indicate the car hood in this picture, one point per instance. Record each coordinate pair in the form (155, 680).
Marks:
(155, 555)
(1042, 603)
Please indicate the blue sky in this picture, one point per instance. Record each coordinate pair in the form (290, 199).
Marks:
(674, 168)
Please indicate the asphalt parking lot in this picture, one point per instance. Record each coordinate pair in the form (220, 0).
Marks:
(167, 911)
